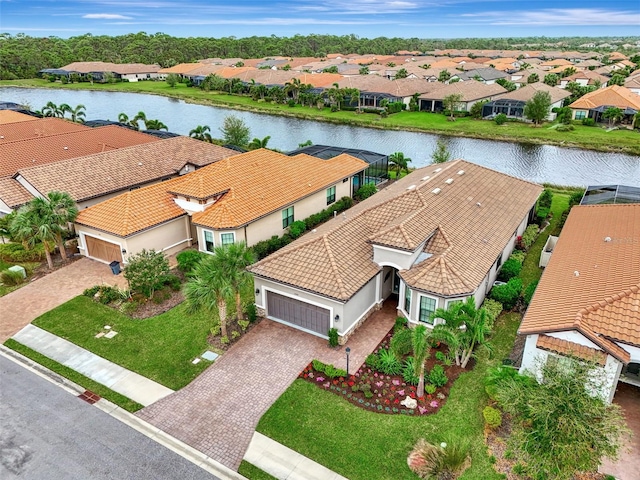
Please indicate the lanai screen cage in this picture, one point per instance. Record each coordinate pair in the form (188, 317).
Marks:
(511, 108)
(603, 194)
(377, 172)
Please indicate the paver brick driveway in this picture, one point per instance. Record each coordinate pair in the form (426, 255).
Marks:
(20, 307)
(217, 413)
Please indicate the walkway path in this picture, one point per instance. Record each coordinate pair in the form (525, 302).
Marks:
(21, 306)
(284, 463)
(136, 387)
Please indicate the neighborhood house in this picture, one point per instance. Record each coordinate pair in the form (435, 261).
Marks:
(437, 236)
(587, 304)
(247, 197)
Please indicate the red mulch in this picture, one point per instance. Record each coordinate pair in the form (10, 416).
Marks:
(388, 390)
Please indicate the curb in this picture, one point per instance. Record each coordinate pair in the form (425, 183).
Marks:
(187, 452)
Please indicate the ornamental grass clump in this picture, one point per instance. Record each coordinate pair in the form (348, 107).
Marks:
(439, 462)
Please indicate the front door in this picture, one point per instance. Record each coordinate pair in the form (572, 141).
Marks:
(396, 282)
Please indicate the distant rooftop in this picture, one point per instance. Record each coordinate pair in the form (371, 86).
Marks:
(326, 152)
(602, 194)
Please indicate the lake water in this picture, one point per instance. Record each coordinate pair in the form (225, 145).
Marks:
(538, 163)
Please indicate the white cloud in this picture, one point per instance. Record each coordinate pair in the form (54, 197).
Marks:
(106, 16)
(559, 16)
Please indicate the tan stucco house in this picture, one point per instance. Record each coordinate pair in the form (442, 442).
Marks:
(247, 197)
(587, 304)
(437, 236)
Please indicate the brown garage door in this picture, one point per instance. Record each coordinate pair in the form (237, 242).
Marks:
(296, 312)
(103, 250)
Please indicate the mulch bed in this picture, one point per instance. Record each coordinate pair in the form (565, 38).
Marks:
(232, 326)
(389, 391)
(42, 270)
(496, 441)
(150, 308)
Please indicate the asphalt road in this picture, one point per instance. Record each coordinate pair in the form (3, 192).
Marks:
(48, 433)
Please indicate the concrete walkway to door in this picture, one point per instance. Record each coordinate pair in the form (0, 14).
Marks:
(20, 307)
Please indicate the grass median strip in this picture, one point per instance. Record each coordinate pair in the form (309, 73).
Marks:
(160, 348)
(253, 473)
(75, 377)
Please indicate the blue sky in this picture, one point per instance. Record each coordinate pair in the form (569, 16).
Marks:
(365, 18)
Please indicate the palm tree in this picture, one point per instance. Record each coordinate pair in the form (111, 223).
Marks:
(78, 113)
(417, 341)
(63, 109)
(50, 110)
(400, 162)
(152, 124)
(33, 228)
(256, 143)
(209, 288)
(123, 118)
(293, 86)
(60, 210)
(614, 114)
(201, 132)
(465, 327)
(234, 259)
(138, 117)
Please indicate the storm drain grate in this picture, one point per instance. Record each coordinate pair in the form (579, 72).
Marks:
(89, 397)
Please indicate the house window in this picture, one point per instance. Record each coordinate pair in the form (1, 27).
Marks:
(208, 241)
(331, 195)
(287, 217)
(499, 261)
(407, 299)
(580, 115)
(427, 307)
(453, 302)
(227, 238)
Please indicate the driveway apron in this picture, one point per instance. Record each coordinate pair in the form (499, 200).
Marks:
(20, 307)
(218, 412)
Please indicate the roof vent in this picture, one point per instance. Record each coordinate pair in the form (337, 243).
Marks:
(436, 191)
(411, 187)
(2, 136)
(139, 164)
(607, 239)
(479, 204)
(460, 172)
(576, 273)
(66, 148)
(449, 181)
(426, 178)
(437, 169)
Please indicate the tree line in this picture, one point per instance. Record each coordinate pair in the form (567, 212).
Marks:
(22, 56)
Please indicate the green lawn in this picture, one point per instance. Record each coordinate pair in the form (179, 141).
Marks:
(363, 445)
(253, 473)
(75, 377)
(28, 266)
(160, 348)
(586, 137)
(530, 269)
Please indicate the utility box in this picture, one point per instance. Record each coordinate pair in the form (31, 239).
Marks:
(18, 268)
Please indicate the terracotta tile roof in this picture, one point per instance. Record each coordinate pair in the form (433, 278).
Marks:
(336, 260)
(37, 128)
(614, 96)
(181, 68)
(470, 90)
(38, 151)
(11, 116)
(12, 193)
(558, 62)
(134, 211)
(246, 179)
(120, 68)
(122, 168)
(565, 347)
(527, 92)
(588, 75)
(266, 77)
(601, 300)
(325, 80)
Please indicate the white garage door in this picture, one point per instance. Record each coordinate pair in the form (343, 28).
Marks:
(298, 313)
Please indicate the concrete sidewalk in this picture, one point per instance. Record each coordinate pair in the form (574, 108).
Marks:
(284, 463)
(119, 379)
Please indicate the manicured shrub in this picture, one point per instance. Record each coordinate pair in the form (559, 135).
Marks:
(261, 249)
(441, 357)
(576, 198)
(541, 214)
(188, 259)
(147, 271)
(333, 337)
(297, 228)
(500, 119)
(173, 282)
(91, 292)
(546, 197)
(511, 268)
(519, 256)
(401, 324)
(588, 122)
(565, 128)
(528, 292)
(16, 253)
(409, 371)
(252, 312)
(508, 293)
(529, 236)
(388, 363)
(365, 191)
(372, 361)
(493, 309)
(108, 294)
(492, 417)
(430, 389)
(11, 278)
(437, 376)
(318, 366)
